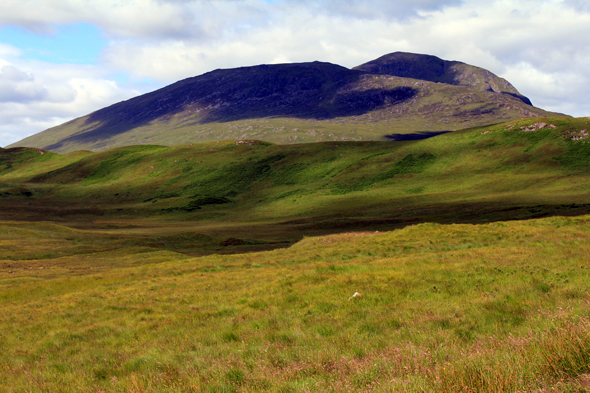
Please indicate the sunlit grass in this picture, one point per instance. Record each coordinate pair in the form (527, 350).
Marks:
(490, 308)
(141, 269)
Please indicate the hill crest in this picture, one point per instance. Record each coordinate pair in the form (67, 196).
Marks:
(293, 103)
(435, 69)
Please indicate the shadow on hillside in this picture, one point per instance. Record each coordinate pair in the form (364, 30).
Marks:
(415, 136)
(284, 233)
(319, 91)
(443, 213)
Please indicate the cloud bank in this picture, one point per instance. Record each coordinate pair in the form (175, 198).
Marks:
(540, 46)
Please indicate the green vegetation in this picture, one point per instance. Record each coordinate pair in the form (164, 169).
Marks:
(446, 308)
(484, 174)
(231, 266)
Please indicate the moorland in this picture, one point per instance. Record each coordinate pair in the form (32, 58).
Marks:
(230, 266)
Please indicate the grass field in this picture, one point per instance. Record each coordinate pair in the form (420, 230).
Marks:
(500, 307)
(230, 266)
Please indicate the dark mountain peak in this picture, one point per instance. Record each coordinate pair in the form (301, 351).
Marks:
(294, 89)
(312, 91)
(300, 102)
(267, 71)
(435, 69)
(407, 65)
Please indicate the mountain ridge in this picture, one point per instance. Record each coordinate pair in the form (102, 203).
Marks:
(292, 103)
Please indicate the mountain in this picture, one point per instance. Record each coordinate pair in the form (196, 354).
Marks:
(434, 69)
(302, 102)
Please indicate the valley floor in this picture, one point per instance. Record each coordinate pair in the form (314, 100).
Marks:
(499, 307)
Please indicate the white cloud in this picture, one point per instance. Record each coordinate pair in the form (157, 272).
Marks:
(578, 5)
(7, 50)
(135, 17)
(550, 88)
(35, 95)
(18, 86)
(195, 18)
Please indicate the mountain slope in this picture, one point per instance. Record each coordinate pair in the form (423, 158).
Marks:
(434, 69)
(286, 103)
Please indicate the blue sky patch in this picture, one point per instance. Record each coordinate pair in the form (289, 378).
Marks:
(79, 43)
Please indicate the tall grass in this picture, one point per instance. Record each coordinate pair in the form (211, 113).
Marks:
(448, 308)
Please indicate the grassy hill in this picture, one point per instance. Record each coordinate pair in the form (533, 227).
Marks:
(508, 164)
(298, 103)
(230, 266)
(264, 193)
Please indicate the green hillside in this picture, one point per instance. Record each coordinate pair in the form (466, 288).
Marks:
(507, 171)
(231, 266)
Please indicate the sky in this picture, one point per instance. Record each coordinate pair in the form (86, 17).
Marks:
(61, 59)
